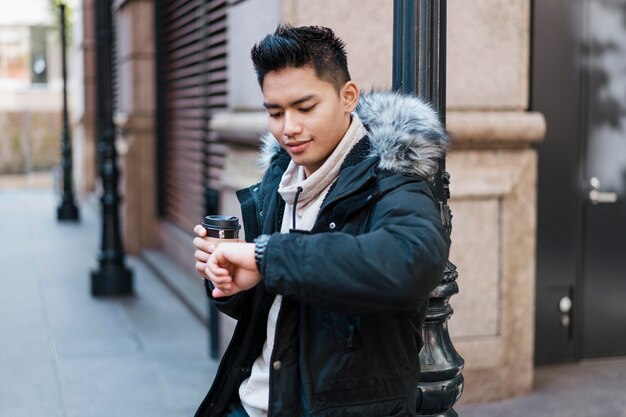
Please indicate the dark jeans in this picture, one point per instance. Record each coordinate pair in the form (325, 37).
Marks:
(236, 410)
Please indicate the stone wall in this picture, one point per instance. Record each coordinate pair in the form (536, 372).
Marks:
(83, 98)
(135, 118)
(493, 190)
(29, 141)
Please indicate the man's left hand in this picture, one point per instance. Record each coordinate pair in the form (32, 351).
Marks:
(232, 269)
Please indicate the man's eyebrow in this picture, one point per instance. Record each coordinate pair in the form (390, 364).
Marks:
(293, 103)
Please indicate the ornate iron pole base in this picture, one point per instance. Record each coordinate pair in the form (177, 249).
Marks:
(112, 279)
(112, 276)
(441, 383)
(67, 211)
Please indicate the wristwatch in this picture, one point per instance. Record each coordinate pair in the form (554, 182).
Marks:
(259, 249)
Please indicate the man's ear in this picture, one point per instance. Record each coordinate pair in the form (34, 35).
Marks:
(349, 95)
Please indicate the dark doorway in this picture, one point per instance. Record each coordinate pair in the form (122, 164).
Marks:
(604, 175)
(579, 84)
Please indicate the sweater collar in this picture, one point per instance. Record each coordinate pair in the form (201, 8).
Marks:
(294, 177)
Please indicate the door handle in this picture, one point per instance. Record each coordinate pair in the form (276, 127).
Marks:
(600, 197)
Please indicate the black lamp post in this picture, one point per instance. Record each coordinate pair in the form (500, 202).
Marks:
(419, 67)
(67, 210)
(112, 277)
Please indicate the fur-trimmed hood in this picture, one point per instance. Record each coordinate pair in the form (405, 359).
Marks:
(404, 132)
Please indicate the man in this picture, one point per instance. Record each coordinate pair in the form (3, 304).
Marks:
(348, 244)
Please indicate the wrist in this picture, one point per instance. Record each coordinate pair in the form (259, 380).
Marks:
(260, 244)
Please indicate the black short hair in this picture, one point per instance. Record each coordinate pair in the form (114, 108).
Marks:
(297, 47)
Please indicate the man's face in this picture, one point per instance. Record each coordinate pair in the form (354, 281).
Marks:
(306, 115)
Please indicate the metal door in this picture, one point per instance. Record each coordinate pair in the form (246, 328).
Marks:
(603, 313)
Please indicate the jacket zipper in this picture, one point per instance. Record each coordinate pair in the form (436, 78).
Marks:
(342, 195)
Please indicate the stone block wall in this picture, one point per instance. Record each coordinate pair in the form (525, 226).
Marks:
(83, 98)
(135, 118)
(29, 141)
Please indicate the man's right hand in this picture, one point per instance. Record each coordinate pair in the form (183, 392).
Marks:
(204, 249)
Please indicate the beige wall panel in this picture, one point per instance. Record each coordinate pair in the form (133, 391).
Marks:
(83, 99)
(135, 26)
(139, 192)
(475, 251)
(254, 19)
(144, 98)
(488, 54)
(488, 46)
(84, 153)
(494, 226)
(365, 26)
(136, 142)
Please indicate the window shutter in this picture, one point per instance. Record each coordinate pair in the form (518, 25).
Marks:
(192, 87)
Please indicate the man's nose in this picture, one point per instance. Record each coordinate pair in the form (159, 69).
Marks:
(292, 125)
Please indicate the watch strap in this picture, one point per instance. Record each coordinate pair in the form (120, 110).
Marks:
(260, 243)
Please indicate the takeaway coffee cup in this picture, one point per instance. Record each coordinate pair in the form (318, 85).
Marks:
(221, 229)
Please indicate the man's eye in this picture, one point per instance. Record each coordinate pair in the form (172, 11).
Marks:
(276, 115)
(307, 109)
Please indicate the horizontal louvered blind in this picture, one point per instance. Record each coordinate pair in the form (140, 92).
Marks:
(193, 50)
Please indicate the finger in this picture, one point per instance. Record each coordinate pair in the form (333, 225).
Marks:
(217, 279)
(221, 280)
(213, 270)
(203, 245)
(218, 293)
(199, 230)
(202, 256)
(201, 267)
(226, 287)
(218, 265)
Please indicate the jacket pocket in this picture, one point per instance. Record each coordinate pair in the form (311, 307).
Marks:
(345, 329)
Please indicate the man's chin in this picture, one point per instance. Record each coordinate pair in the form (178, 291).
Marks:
(298, 159)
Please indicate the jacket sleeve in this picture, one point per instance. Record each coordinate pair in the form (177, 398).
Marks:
(391, 269)
(231, 306)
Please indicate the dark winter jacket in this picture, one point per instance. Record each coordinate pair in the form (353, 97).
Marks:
(355, 288)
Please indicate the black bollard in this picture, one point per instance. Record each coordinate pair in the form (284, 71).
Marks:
(112, 276)
(419, 67)
(67, 210)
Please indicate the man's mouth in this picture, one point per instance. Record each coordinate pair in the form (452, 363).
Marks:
(297, 147)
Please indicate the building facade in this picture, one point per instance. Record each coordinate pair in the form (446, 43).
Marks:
(189, 114)
(30, 88)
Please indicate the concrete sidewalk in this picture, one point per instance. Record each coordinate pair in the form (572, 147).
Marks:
(64, 353)
(591, 388)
